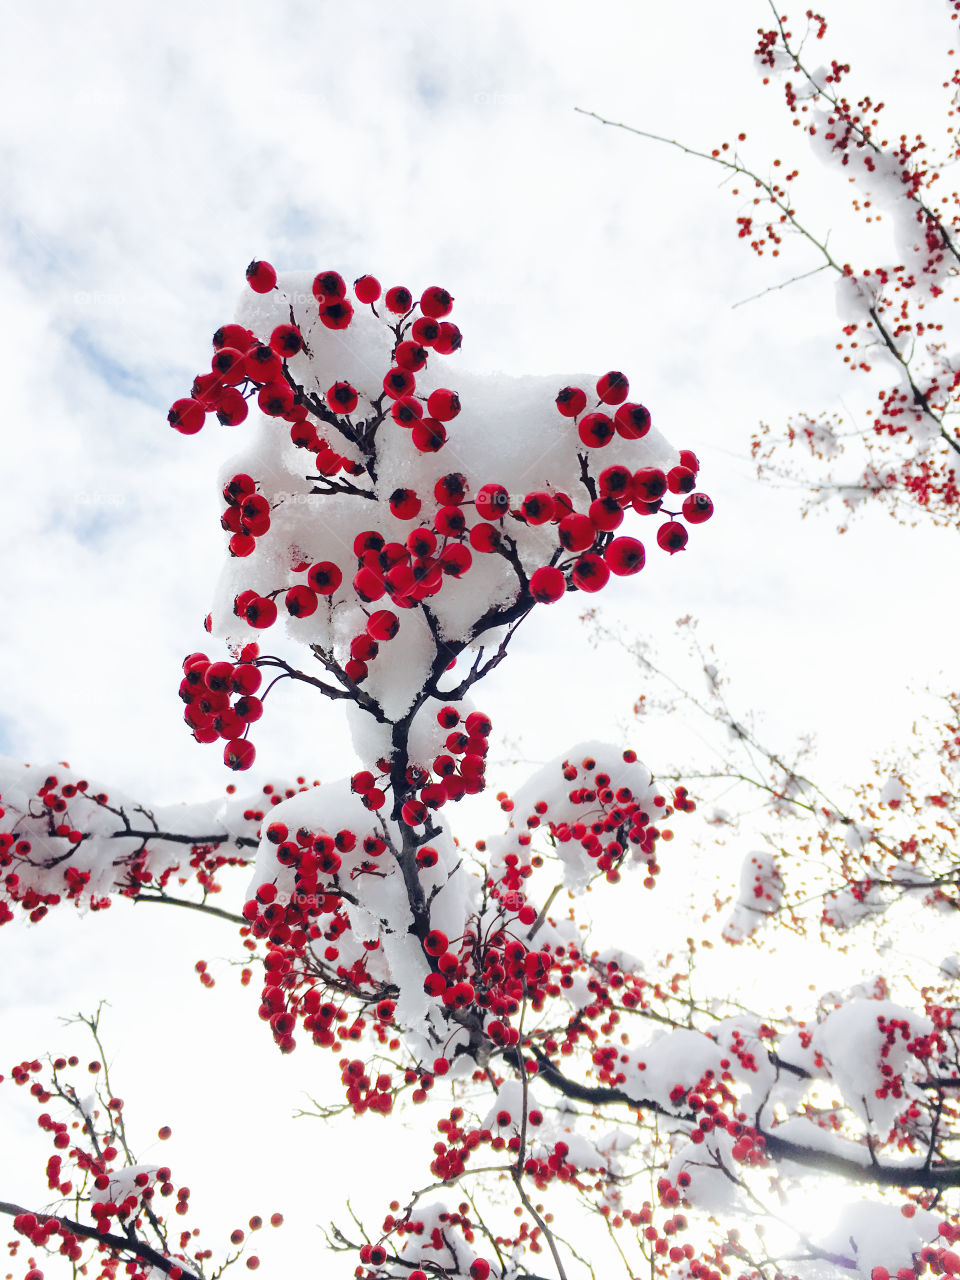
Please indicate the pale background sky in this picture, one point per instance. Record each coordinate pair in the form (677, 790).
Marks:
(148, 155)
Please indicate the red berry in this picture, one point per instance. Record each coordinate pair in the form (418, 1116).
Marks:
(451, 489)
(275, 399)
(414, 814)
(696, 508)
(286, 340)
(324, 577)
(537, 507)
(410, 356)
(230, 367)
(217, 676)
(689, 460)
(367, 289)
(571, 401)
(422, 542)
(425, 331)
(485, 538)
(492, 502)
(436, 302)
(336, 315)
(455, 559)
(672, 537)
(246, 679)
(606, 514)
(649, 484)
(239, 754)
(680, 480)
(367, 541)
(342, 398)
(435, 943)
(577, 532)
(429, 435)
(632, 421)
(261, 364)
(368, 584)
(363, 648)
(449, 339)
(596, 430)
(260, 612)
(625, 556)
(405, 504)
(398, 300)
(261, 277)
(329, 286)
(399, 382)
(301, 602)
(590, 573)
(612, 388)
(186, 416)
(450, 521)
(231, 407)
(406, 410)
(547, 584)
(443, 404)
(382, 625)
(615, 482)
(233, 335)
(248, 709)
(237, 488)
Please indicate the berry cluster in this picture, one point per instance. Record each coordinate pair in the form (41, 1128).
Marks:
(416, 533)
(114, 1207)
(208, 687)
(458, 770)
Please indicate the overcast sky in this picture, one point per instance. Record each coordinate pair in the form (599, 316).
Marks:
(150, 153)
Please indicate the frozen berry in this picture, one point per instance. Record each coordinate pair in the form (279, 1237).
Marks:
(590, 573)
(436, 302)
(286, 340)
(398, 300)
(404, 504)
(612, 388)
(443, 404)
(696, 508)
(187, 416)
(367, 289)
(239, 753)
(261, 277)
(596, 430)
(547, 584)
(625, 556)
(492, 502)
(342, 397)
(448, 340)
(672, 536)
(632, 421)
(329, 286)
(324, 577)
(428, 435)
(336, 315)
(571, 401)
(300, 602)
